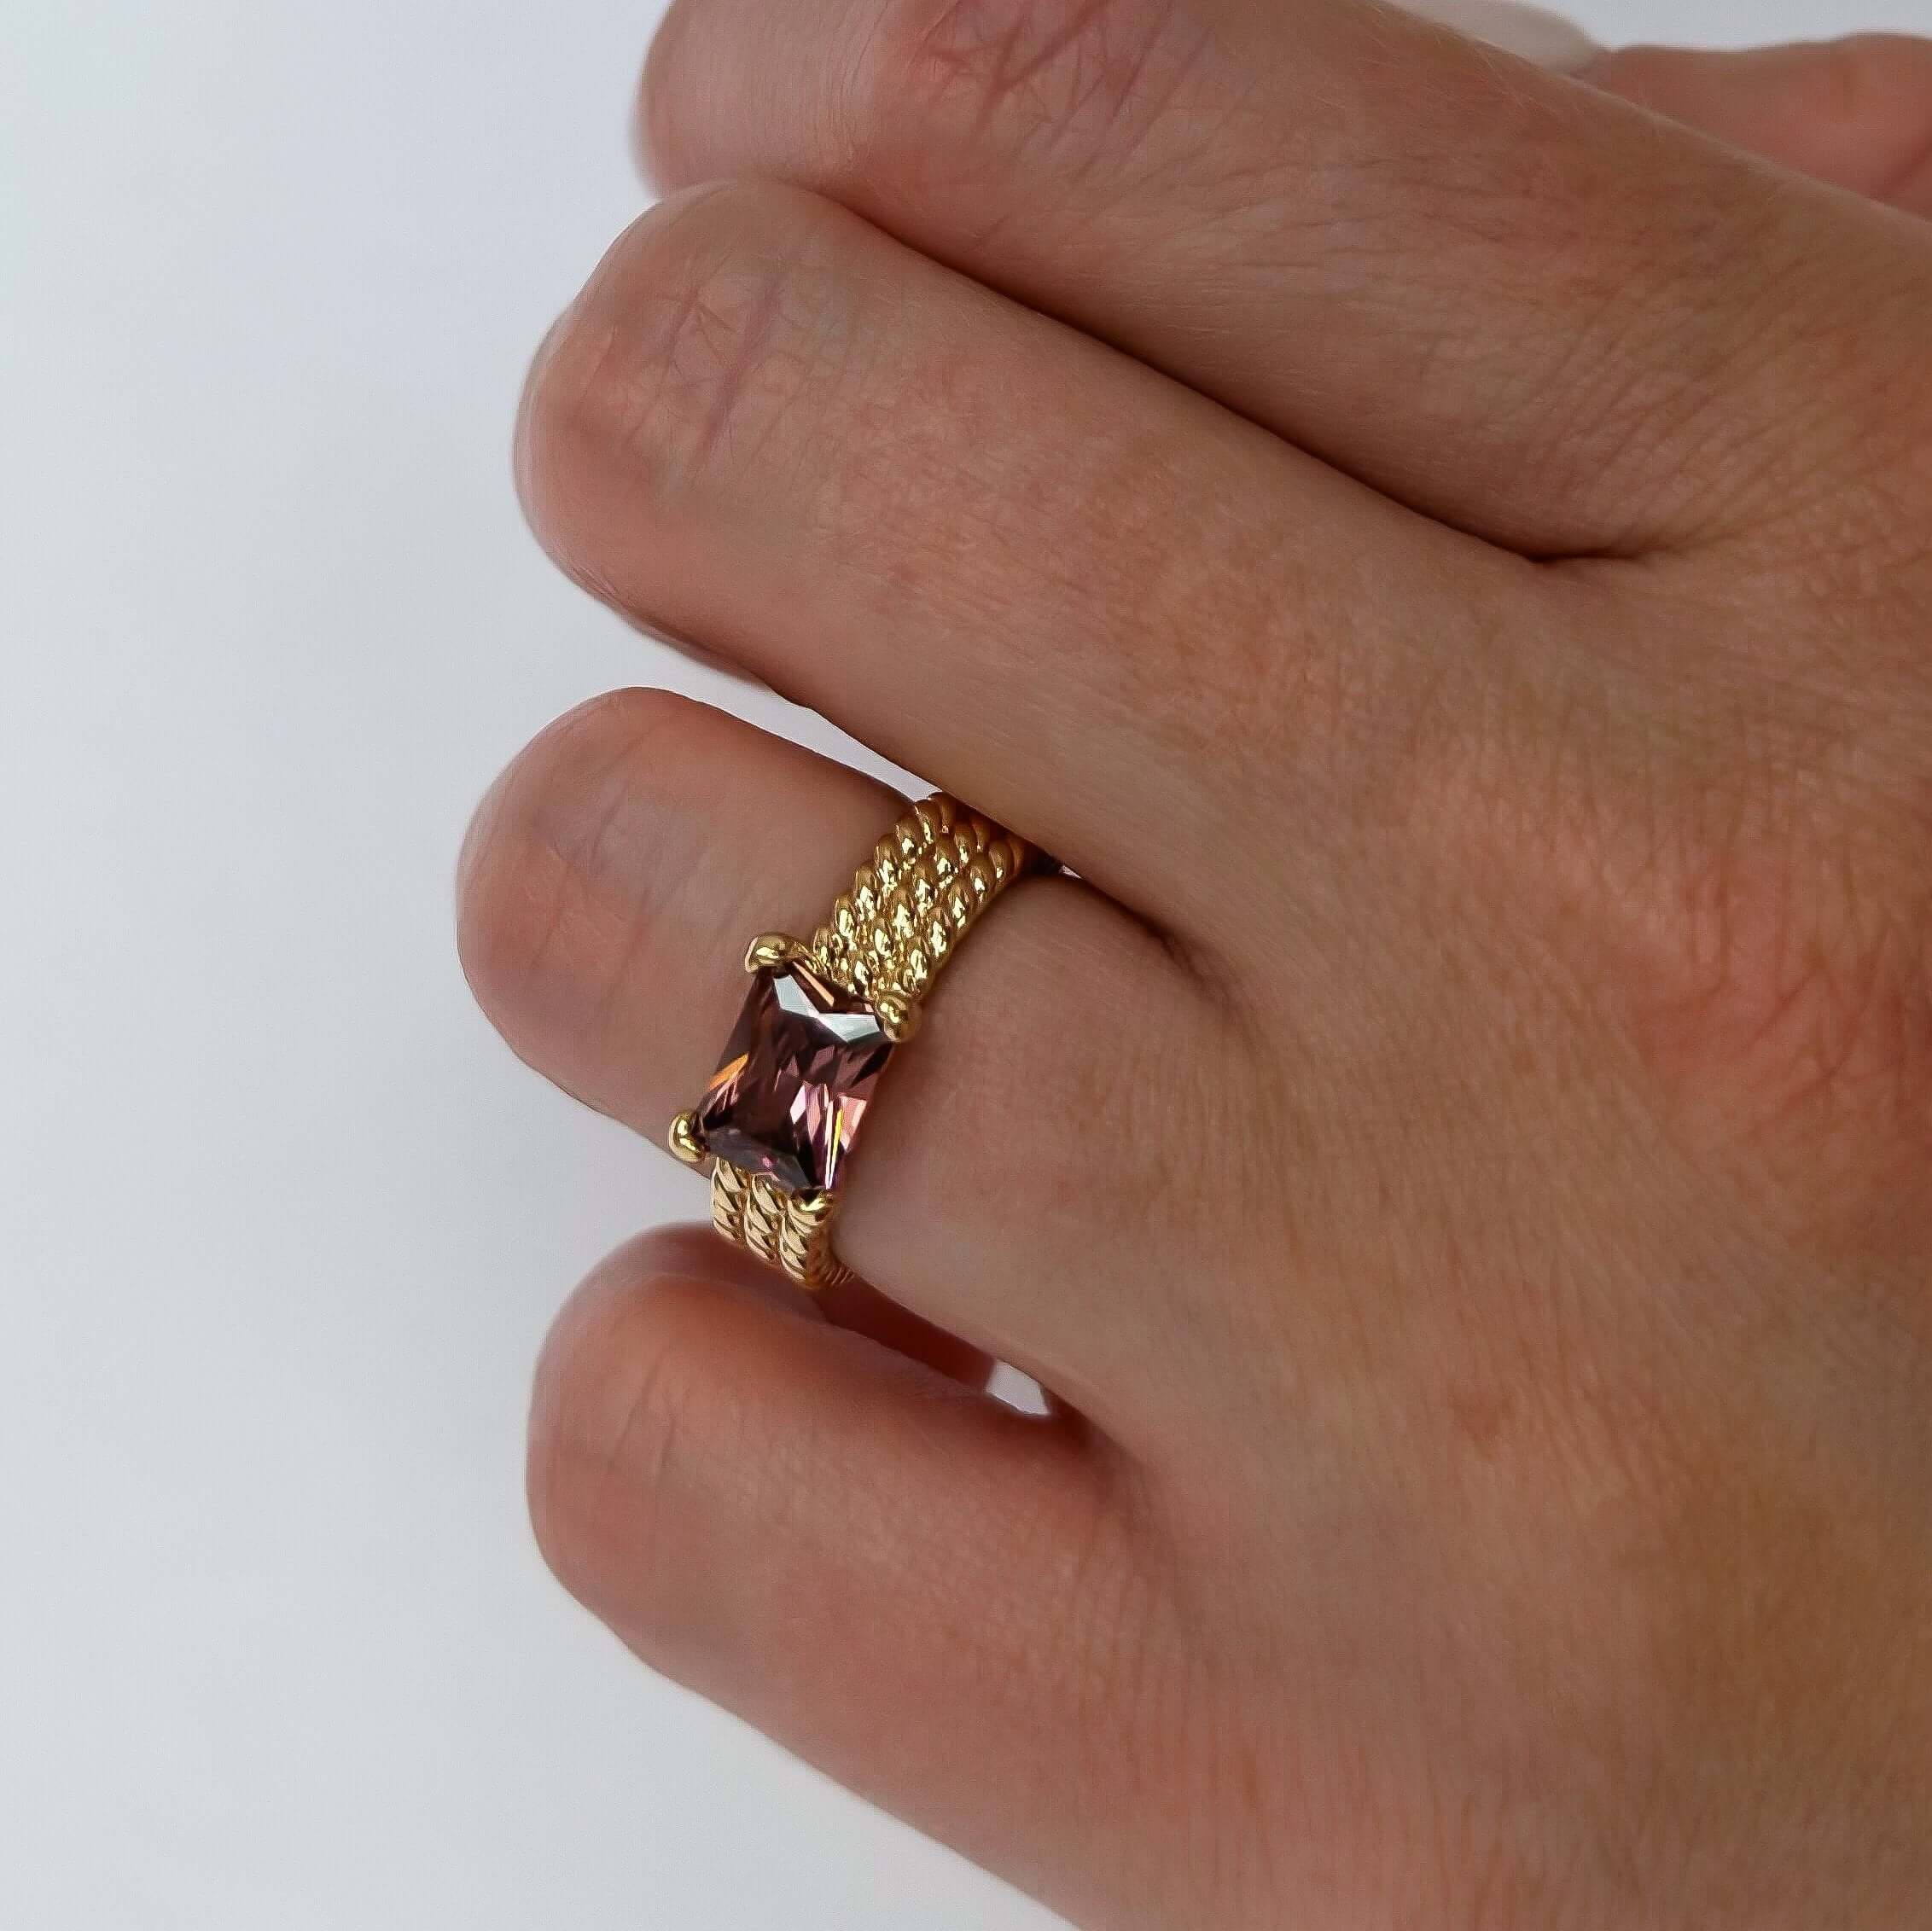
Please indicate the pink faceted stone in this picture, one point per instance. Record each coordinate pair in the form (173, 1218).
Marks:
(797, 1078)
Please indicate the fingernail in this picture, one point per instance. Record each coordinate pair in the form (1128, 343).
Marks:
(1530, 32)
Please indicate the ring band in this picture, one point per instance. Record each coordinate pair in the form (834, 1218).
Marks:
(782, 1113)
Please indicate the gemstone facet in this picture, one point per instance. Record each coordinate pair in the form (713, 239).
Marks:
(797, 1078)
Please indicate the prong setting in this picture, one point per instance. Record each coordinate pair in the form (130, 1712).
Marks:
(684, 1141)
(774, 949)
(780, 1117)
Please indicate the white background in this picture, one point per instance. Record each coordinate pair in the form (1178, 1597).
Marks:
(281, 1224)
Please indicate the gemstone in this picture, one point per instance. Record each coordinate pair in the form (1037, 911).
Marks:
(797, 1078)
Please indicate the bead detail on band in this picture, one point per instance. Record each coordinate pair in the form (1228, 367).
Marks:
(927, 882)
(789, 1232)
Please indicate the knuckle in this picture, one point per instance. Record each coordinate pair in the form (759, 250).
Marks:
(689, 346)
(549, 885)
(1749, 917)
(1791, 1015)
(627, 1408)
(1090, 75)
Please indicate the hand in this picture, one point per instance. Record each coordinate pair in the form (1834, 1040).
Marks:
(1446, 559)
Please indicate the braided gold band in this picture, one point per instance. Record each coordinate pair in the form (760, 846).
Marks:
(821, 1023)
(792, 1232)
(929, 881)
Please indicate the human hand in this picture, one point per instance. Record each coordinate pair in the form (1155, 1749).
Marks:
(1444, 557)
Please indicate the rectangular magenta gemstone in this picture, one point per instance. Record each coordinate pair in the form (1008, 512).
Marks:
(797, 1078)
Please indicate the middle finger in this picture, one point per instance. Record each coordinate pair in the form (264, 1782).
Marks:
(1501, 297)
(1098, 606)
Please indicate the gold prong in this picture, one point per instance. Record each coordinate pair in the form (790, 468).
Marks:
(685, 1141)
(813, 1206)
(899, 1016)
(773, 949)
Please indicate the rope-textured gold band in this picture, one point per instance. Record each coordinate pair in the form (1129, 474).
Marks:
(928, 883)
(792, 1232)
(929, 880)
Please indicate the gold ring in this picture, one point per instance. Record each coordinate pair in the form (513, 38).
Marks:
(782, 1115)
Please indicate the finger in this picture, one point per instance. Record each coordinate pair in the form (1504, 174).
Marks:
(1856, 113)
(1002, 554)
(1532, 33)
(865, 1311)
(867, 1563)
(856, 1306)
(852, 1305)
(1013, 1153)
(1503, 299)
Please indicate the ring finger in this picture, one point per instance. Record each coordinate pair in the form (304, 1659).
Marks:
(1010, 1159)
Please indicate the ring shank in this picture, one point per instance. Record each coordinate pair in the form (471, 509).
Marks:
(792, 1232)
(928, 883)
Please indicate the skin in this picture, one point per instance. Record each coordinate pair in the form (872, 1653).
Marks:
(1441, 552)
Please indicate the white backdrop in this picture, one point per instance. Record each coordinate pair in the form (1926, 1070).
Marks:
(281, 1224)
